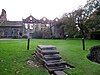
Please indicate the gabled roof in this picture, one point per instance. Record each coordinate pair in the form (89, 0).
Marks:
(30, 19)
(44, 20)
(55, 21)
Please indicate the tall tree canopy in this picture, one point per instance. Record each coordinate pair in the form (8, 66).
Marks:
(89, 16)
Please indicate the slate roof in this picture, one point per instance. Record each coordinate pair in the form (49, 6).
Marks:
(11, 23)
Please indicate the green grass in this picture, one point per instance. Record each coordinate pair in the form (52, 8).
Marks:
(13, 57)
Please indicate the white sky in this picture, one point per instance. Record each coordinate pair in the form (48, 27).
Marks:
(16, 9)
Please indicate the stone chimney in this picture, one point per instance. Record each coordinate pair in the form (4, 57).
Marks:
(3, 16)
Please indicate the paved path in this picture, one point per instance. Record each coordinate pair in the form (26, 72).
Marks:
(8, 39)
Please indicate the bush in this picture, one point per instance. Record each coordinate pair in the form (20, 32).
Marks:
(94, 54)
(15, 37)
(25, 36)
(78, 36)
(95, 35)
(37, 35)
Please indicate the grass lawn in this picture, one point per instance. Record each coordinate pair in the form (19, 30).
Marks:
(13, 57)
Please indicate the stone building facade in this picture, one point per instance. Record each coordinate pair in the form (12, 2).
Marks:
(28, 26)
(9, 29)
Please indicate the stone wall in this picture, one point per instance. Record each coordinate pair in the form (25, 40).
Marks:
(10, 32)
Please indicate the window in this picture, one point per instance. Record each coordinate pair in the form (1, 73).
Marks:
(56, 19)
(44, 19)
(47, 25)
(26, 25)
(31, 26)
(30, 18)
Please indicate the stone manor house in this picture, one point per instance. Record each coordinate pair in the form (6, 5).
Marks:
(28, 26)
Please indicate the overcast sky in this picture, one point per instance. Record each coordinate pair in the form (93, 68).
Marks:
(18, 9)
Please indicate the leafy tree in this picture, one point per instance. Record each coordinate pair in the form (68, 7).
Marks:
(92, 9)
(93, 23)
(68, 20)
(88, 18)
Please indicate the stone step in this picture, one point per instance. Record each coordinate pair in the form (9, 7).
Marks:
(52, 57)
(53, 63)
(55, 68)
(49, 57)
(59, 73)
(49, 52)
(40, 54)
(43, 47)
(39, 58)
